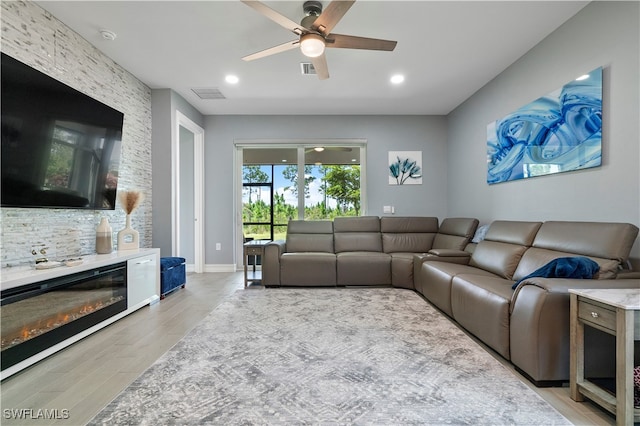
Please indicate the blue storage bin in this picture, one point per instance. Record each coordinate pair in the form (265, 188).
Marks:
(173, 274)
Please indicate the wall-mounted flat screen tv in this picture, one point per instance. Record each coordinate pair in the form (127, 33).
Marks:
(60, 147)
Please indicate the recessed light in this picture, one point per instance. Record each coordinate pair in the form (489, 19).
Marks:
(232, 79)
(582, 77)
(108, 35)
(397, 79)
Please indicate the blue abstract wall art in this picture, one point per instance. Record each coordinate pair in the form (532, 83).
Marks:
(556, 133)
(405, 167)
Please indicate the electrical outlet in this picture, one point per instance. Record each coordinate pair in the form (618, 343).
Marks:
(218, 246)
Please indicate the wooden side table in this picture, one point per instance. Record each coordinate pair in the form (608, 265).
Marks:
(613, 311)
(253, 248)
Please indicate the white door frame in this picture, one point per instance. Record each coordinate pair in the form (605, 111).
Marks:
(198, 190)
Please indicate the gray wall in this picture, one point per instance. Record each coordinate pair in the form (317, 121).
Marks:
(35, 37)
(602, 34)
(164, 104)
(383, 133)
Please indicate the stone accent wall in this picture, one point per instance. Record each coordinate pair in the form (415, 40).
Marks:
(35, 37)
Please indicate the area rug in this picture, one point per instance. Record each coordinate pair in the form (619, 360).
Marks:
(327, 356)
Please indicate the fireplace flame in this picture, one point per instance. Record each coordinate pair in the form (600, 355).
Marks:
(44, 325)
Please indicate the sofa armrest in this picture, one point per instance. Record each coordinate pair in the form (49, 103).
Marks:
(449, 253)
(626, 275)
(539, 326)
(441, 255)
(562, 285)
(271, 262)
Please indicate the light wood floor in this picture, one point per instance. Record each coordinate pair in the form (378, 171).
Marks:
(86, 376)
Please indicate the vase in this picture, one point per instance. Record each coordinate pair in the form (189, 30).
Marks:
(128, 238)
(104, 237)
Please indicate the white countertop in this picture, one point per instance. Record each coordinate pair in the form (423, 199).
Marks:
(18, 276)
(625, 298)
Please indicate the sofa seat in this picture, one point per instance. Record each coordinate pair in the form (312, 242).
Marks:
(434, 281)
(363, 268)
(308, 269)
(481, 305)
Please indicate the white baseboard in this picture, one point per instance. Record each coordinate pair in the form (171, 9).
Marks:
(213, 268)
(220, 268)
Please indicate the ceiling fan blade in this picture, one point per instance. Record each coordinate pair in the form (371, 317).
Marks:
(320, 65)
(331, 15)
(276, 17)
(353, 42)
(273, 50)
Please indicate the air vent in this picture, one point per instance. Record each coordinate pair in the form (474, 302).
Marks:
(208, 93)
(307, 68)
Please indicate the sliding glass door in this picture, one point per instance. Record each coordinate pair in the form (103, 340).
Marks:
(298, 181)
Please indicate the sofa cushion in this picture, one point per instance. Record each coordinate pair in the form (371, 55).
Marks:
(593, 239)
(565, 267)
(481, 304)
(308, 269)
(498, 258)
(412, 224)
(536, 258)
(401, 238)
(407, 242)
(310, 227)
(513, 232)
(357, 224)
(310, 236)
(455, 233)
(357, 234)
(434, 281)
(363, 268)
(503, 246)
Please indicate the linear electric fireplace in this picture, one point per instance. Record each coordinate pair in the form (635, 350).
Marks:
(37, 316)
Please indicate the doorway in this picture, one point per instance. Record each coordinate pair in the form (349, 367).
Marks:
(188, 199)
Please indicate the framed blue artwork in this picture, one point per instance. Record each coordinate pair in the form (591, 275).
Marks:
(405, 168)
(557, 133)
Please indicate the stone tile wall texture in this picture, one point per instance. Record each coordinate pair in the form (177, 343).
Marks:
(35, 37)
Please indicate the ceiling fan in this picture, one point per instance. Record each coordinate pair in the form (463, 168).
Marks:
(315, 33)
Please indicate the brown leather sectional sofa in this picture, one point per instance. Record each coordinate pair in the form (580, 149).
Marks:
(365, 250)
(471, 283)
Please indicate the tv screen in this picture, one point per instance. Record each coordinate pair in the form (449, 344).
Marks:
(60, 147)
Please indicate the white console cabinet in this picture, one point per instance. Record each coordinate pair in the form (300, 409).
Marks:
(142, 281)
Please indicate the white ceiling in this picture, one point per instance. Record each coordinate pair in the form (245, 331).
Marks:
(446, 49)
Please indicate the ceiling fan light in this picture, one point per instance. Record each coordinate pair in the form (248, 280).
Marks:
(312, 45)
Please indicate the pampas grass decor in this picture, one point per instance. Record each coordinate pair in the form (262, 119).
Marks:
(129, 238)
(130, 200)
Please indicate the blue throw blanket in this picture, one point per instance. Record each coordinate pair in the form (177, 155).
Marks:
(565, 267)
